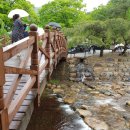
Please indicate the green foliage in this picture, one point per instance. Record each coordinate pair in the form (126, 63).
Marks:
(104, 26)
(7, 5)
(118, 30)
(114, 9)
(3, 34)
(40, 43)
(27, 6)
(54, 81)
(65, 12)
(2, 30)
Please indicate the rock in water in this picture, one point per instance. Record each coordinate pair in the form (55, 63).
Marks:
(84, 113)
(96, 124)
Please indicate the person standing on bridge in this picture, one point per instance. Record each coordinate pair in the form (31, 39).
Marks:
(18, 29)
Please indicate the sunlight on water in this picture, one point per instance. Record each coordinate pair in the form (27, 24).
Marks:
(67, 109)
(60, 100)
(82, 123)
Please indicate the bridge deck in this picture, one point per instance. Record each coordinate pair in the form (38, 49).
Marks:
(27, 105)
(25, 67)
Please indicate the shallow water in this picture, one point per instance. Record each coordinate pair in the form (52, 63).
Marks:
(53, 114)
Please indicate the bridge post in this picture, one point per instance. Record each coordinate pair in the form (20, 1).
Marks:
(59, 46)
(61, 33)
(60, 43)
(47, 48)
(55, 53)
(64, 43)
(35, 63)
(4, 120)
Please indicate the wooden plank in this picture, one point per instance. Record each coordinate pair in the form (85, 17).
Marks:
(42, 87)
(14, 125)
(15, 83)
(19, 117)
(13, 108)
(26, 118)
(26, 102)
(22, 109)
(42, 67)
(13, 70)
(13, 50)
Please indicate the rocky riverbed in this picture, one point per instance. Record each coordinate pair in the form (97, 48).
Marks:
(103, 103)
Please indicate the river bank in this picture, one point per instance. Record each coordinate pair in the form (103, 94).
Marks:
(103, 103)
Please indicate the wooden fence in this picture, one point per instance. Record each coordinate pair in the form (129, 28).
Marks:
(51, 45)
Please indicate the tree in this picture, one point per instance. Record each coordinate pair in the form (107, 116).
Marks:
(114, 9)
(75, 34)
(65, 12)
(96, 32)
(27, 6)
(119, 8)
(113, 35)
(7, 5)
(100, 13)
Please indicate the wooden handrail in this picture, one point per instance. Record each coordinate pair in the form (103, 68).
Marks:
(10, 51)
(13, 70)
(52, 47)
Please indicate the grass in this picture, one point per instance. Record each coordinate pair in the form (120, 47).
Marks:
(54, 81)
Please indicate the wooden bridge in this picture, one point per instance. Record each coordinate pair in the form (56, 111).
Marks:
(25, 67)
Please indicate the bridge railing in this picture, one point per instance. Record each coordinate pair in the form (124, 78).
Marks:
(51, 45)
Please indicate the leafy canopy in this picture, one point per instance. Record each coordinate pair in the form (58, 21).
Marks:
(65, 12)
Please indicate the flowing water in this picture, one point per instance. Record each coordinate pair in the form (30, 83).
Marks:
(53, 114)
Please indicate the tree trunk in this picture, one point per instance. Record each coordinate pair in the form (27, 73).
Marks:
(101, 51)
(125, 48)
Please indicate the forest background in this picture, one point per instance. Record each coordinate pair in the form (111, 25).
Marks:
(106, 25)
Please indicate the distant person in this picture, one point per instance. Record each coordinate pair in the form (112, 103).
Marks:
(25, 33)
(18, 29)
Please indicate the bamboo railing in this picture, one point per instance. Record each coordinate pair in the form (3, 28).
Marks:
(53, 47)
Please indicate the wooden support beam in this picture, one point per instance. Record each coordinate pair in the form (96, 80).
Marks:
(35, 63)
(13, 70)
(2, 73)
(2, 78)
(44, 52)
(4, 122)
(47, 48)
(52, 45)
